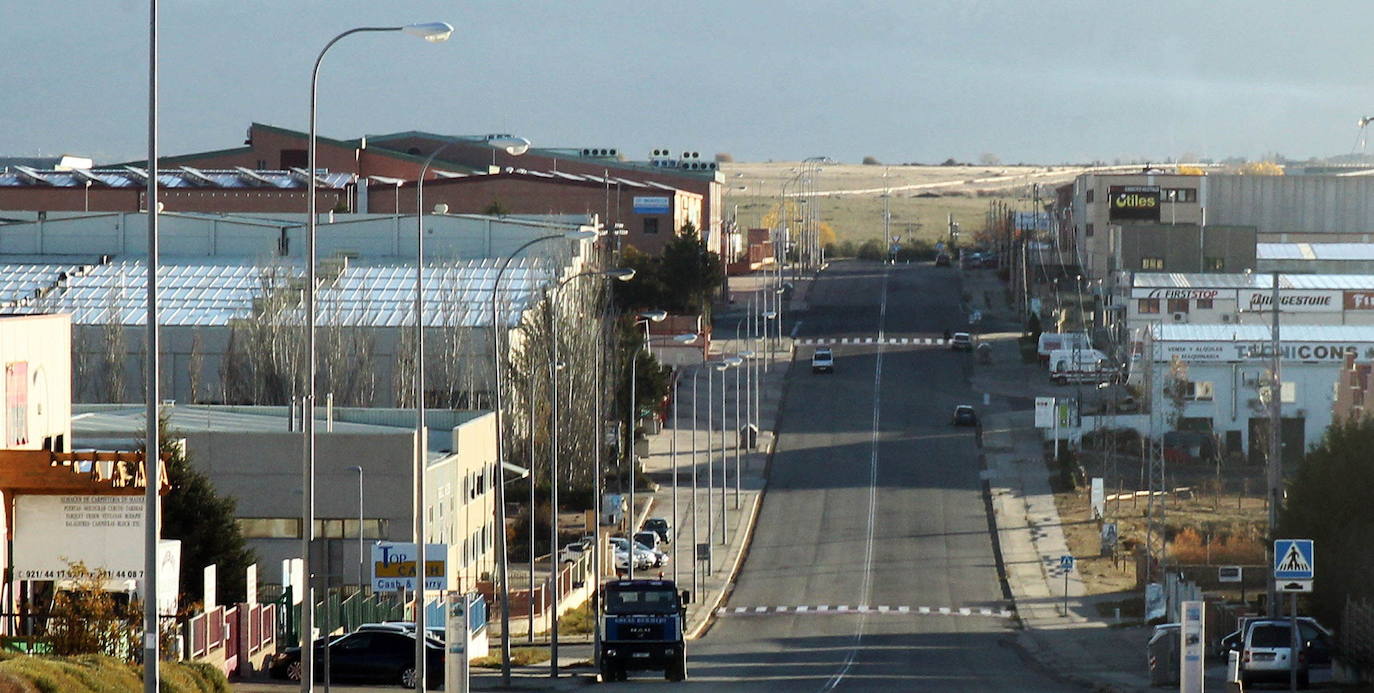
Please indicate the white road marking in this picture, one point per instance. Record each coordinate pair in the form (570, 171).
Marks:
(865, 610)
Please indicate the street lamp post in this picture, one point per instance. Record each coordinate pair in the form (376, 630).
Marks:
(644, 318)
(739, 431)
(152, 452)
(362, 560)
(680, 339)
(730, 362)
(433, 32)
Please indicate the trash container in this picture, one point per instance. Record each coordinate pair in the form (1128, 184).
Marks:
(749, 436)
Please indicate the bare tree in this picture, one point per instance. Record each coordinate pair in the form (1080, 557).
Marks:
(194, 363)
(113, 350)
(261, 362)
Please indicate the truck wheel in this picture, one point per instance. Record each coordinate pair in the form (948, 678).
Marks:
(677, 671)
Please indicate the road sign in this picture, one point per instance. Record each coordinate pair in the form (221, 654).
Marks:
(704, 551)
(1293, 560)
(1293, 586)
(1044, 412)
(1066, 563)
(1192, 647)
(1230, 573)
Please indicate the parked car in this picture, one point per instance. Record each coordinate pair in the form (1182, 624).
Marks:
(366, 656)
(662, 526)
(1267, 648)
(965, 415)
(961, 341)
(389, 627)
(823, 360)
(571, 553)
(649, 539)
(644, 557)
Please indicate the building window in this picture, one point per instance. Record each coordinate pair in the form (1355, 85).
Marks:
(347, 528)
(651, 225)
(1204, 304)
(1152, 263)
(1149, 305)
(1178, 195)
(1088, 230)
(1089, 197)
(1178, 305)
(294, 158)
(1214, 264)
(1288, 392)
(1200, 391)
(269, 527)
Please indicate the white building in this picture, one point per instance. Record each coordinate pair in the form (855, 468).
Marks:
(36, 389)
(1226, 368)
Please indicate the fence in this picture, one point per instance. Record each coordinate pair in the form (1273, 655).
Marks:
(571, 584)
(227, 636)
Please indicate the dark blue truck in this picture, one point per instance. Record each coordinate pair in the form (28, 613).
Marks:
(642, 626)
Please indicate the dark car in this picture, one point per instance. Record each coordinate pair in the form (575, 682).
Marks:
(366, 656)
(660, 526)
(965, 415)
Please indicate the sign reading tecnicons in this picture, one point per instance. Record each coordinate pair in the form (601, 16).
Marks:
(1133, 202)
(1221, 352)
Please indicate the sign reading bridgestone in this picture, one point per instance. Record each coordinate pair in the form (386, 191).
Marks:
(1133, 202)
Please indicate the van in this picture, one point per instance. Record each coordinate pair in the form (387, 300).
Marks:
(1267, 648)
(1080, 366)
(1054, 341)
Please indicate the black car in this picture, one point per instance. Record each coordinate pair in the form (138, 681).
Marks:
(659, 525)
(965, 415)
(366, 656)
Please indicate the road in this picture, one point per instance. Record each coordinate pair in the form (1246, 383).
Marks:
(874, 519)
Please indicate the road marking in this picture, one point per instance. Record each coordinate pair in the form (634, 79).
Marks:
(890, 341)
(865, 610)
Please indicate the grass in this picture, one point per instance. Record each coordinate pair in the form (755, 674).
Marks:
(577, 621)
(519, 656)
(99, 674)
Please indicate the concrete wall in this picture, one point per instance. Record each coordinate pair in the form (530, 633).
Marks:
(35, 382)
(1183, 247)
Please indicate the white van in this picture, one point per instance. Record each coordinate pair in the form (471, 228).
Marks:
(1080, 366)
(1054, 341)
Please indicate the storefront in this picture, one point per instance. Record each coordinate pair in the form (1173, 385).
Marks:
(1244, 299)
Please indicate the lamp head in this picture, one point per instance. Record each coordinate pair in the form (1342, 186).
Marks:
(515, 146)
(685, 338)
(718, 365)
(770, 314)
(623, 274)
(434, 32)
(441, 208)
(747, 354)
(733, 361)
(654, 315)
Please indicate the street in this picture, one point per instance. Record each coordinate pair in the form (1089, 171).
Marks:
(872, 566)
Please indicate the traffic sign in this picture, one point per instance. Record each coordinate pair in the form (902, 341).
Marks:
(1293, 559)
(1230, 573)
(1066, 563)
(1293, 586)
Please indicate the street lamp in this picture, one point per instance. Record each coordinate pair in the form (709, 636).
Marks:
(434, 32)
(152, 451)
(643, 318)
(739, 431)
(730, 362)
(679, 339)
(499, 511)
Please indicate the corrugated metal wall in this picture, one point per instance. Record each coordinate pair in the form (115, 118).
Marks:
(1292, 204)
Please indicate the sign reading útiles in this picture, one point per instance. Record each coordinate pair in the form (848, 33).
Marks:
(1134, 202)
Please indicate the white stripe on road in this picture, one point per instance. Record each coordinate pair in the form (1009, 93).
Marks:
(865, 610)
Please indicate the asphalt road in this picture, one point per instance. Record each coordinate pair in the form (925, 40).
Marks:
(874, 519)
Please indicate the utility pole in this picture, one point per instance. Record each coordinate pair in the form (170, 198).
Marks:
(1274, 466)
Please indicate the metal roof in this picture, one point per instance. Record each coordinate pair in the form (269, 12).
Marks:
(202, 294)
(1259, 280)
(183, 177)
(1256, 333)
(1314, 251)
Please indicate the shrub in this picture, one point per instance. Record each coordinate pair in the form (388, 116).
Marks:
(871, 161)
(101, 674)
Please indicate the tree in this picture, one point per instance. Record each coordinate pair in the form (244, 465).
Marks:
(690, 273)
(871, 161)
(204, 522)
(724, 158)
(1328, 502)
(1260, 168)
(989, 159)
(87, 619)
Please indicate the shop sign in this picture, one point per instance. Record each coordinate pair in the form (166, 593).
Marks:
(1193, 294)
(1201, 352)
(1291, 301)
(1359, 300)
(1133, 202)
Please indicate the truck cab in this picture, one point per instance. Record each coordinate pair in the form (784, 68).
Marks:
(642, 625)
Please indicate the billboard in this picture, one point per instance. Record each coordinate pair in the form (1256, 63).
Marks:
(1232, 351)
(102, 532)
(651, 205)
(1133, 203)
(393, 566)
(1291, 301)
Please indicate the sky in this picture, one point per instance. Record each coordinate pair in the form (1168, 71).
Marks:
(900, 80)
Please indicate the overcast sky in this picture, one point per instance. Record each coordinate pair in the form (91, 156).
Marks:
(902, 80)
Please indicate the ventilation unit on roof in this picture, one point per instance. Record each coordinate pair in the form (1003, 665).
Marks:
(1180, 317)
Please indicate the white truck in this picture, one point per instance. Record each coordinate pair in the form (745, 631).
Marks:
(1080, 366)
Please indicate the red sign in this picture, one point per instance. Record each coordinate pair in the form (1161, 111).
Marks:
(1359, 300)
(16, 404)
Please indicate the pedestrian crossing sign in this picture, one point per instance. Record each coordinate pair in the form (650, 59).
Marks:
(1293, 559)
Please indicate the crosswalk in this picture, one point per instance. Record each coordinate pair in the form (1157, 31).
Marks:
(827, 609)
(887, 341)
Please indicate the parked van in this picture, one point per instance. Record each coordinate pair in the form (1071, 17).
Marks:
(1080, 366)
(1054, 341)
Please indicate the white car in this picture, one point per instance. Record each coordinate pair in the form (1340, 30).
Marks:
(823, 360)
(644, 557)
(573, 552)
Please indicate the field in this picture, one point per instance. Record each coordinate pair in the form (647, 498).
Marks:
(922, 197)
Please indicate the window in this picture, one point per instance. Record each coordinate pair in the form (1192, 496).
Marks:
(1178, 195)
(269, 527)
(347, 528)
(1199, 391)
(1152, 263)
(1178, 305)
(1214, 264)
(294, 158)
(1089, 197)
(1088, 229)
(1149, 305)
(651, 225)
(1204, 304)
(1288, 392)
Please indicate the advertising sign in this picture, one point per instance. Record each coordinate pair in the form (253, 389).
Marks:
(16, 404)
(393, 566)
(1032, 221)
(651, 205)
(1203, 352)
(1359, 300)
(1192, 646)
(169, 576)
(1133, 202)
(1193, 294)
(1044, 412)
(1292, 301)
(102, 532)
(1098, 498)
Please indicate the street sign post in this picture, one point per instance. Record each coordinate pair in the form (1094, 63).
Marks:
(1191, 644)
(1066, 567)
(1295, 566)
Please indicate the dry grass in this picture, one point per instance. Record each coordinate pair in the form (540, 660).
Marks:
(519, 656)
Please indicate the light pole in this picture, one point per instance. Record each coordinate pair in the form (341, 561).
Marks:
(680, 339)
(644, 318)
(433, 32)
(730, 362)
(554, 366)
(362, 560)
(499, 511)
(152, 452)
(739, 431)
